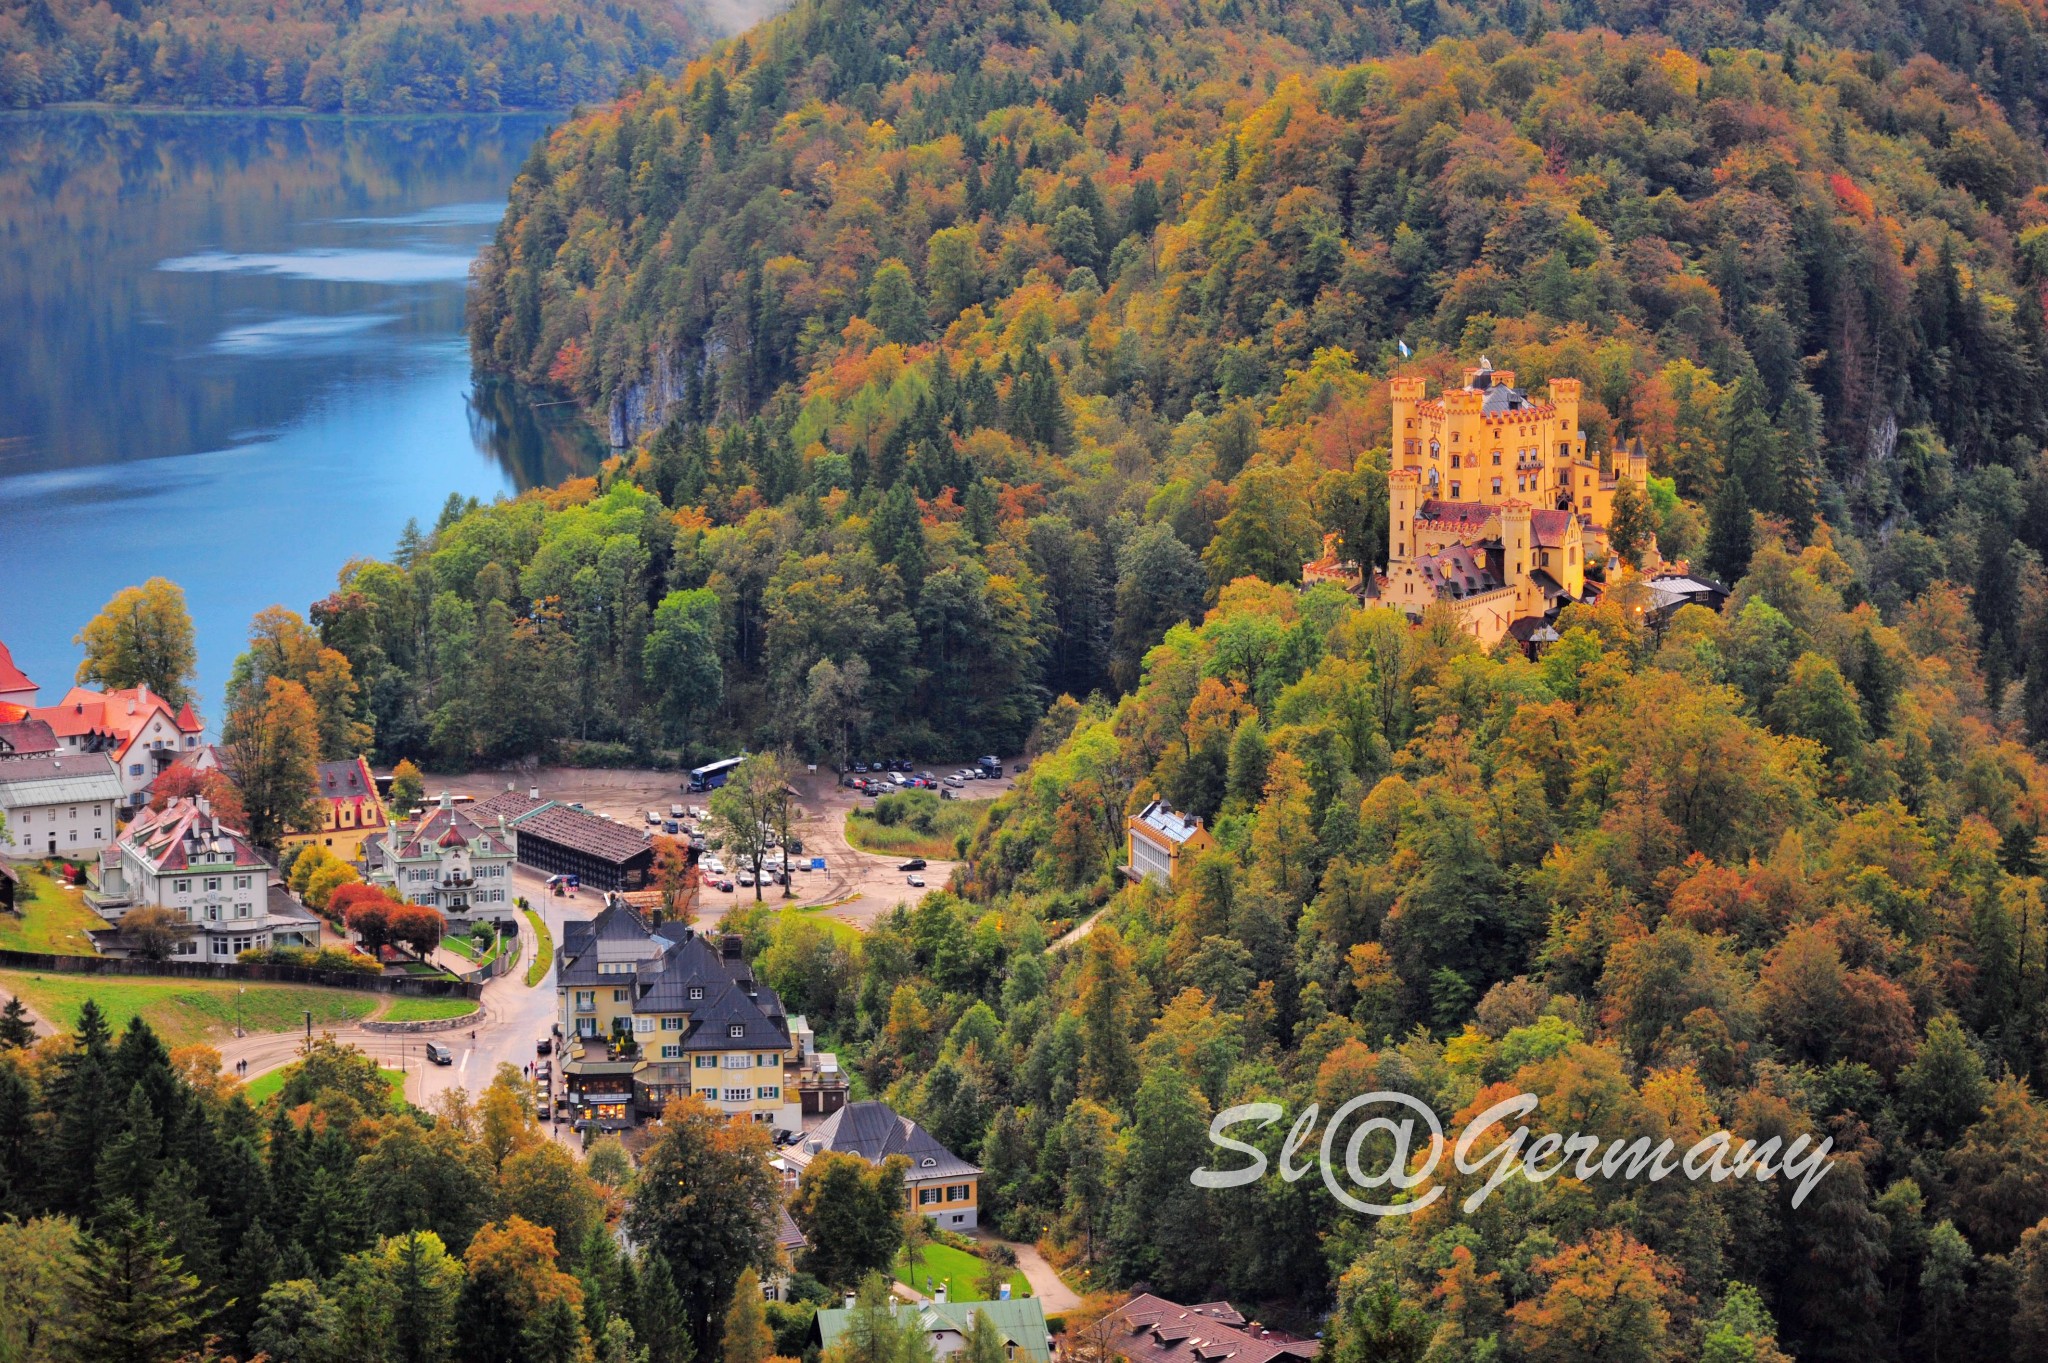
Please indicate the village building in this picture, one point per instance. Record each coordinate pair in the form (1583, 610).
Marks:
(1019, 1321)
(22, 734)
(138, 728)
(1496, 507)
(1158, 835)
(936, 1182)
(655, 1013)
(15, 687)
(350, 809)
(445, 860)
(184, 858)
(59, 804)
(601, 853)
(1149, 1329)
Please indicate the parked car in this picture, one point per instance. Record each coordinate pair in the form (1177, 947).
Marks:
(675, 811)
(990, 767)
(439, 1054)
(542, 1111)
(714, 865)
(914, 864)
(654, 816)
(917, 882)
(724, 884)
(745, 879)
(545, 1046)
(955, 782)
(671, 827)
(861, 767)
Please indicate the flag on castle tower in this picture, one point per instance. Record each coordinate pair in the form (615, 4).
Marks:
(1405, 351)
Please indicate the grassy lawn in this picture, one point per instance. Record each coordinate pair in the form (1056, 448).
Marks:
(942, 1263)
(544, 955)
(916, 823)
(461, 947)
(426, 1010)
(264, 1087)
(844, 932)
(53, 918)
(185, 1011)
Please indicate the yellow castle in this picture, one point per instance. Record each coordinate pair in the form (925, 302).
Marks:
(1495, 504)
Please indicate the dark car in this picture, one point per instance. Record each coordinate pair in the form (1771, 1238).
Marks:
(861, 767)
(439, 1054)
(914, 864)
(545, 1046)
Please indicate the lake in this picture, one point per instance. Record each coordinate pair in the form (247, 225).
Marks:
(232, 354)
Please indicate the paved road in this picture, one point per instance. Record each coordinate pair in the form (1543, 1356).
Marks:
(1052, 1292)
(514, 1017)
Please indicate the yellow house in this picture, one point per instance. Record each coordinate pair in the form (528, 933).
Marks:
(350, 809)
(652, 1014)
(1158, 834)
(936, 1181)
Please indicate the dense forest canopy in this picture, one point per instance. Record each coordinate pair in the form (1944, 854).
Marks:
(982, 376)
(379, 56)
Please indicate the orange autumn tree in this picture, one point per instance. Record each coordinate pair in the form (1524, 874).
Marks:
(1609, 1298)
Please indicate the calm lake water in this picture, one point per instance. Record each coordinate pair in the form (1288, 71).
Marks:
(232, 354)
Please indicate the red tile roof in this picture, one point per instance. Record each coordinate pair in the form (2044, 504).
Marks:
(12, 678)
(1550, 527)
(1149, 1329)
(120, 714)
(166, 838)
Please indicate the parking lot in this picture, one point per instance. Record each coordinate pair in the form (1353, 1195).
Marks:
(857, 887)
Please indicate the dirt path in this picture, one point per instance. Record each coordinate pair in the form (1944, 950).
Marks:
(1051, 1290)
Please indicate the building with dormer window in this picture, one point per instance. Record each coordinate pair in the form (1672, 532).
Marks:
(351, 811)
(183, 858)
(655, 1013)
(138, 728)
(446, 860)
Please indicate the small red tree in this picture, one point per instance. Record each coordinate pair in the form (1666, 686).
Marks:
(188, 782)
(370, 920)
(415, 926)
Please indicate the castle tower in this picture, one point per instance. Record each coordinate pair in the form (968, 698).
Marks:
(1637, 467)
(1404, 495)
(1516, 539)
(1561, 434)
(1407, 439)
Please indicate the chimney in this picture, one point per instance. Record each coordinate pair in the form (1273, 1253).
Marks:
(849, 1301)
(939, 1294)
(447, 800)
(533, 792)
(732, 948)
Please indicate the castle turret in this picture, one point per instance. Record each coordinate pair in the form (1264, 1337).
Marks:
(1407, 438)
(1515, 541)
(1404, 495)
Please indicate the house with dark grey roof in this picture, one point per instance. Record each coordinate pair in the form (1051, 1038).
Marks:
(58, 804)
(936, 1182)
(558, 839)
(657, 1013)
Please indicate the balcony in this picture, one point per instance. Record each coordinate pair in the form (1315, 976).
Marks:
(456, 882)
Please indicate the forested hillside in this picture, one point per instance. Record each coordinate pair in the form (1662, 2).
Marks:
(984, 377)
(357, 56)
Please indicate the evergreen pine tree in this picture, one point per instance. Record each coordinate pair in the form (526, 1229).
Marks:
(79, 1099)
(659, 1316)
(131, 1300)
(16, 1031)
(1731, 530)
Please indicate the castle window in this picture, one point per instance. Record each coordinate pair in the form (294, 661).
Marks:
(1454, 492)
(1496, 487)
(1546, 558)
(1496, 458)
(1454, 458)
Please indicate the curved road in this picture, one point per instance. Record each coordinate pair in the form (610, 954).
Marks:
(512, 1019)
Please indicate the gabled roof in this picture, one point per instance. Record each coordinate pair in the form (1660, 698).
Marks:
(185, 833)
(582, 831)
(118, 714)
(12, 678)
(49, 778)
(1149, 1329)
(412, 842)
(1168, 822)
(1446, 512)
(507, 805)
(345, 780)
(874, 1132)
(1550, 529)
(1020, 1321)
(25, 735)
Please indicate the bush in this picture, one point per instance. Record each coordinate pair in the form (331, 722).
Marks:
(324, 958)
